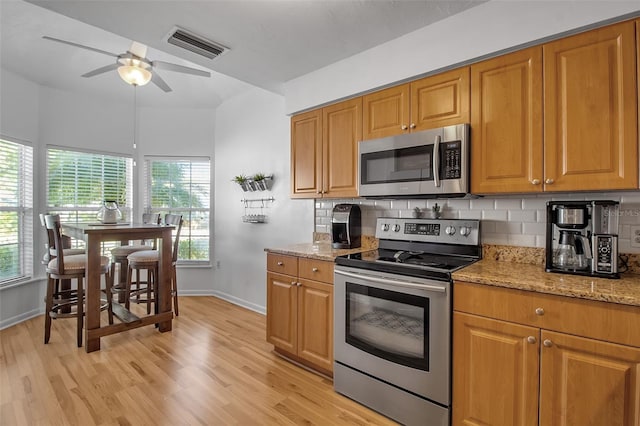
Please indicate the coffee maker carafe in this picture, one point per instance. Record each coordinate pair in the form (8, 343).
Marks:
(582, 238)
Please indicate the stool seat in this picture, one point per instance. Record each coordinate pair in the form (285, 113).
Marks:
(144, 256)
(74, 263)
(127, 250)
(67, 252)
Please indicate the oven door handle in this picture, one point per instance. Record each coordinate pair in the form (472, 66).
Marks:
(428, 287)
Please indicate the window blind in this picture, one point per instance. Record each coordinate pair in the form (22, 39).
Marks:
(78, 183)
(182, 186)
(16, 212)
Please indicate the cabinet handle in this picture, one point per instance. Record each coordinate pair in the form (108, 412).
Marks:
(299, 284)
(548, 343)
(314, 269)
(539, 311)
(280, 263)
(549, 181)
(536, 181)
(293, 283)
(531, 339)
(412, 126)
(404, 127)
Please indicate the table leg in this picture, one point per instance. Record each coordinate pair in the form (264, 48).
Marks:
(92, 293)
(164, 276)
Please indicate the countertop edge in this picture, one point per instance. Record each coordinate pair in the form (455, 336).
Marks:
(533, 278)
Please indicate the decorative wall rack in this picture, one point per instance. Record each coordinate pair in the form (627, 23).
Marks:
(249, 204)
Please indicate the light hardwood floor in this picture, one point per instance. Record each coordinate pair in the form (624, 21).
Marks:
(213, 368)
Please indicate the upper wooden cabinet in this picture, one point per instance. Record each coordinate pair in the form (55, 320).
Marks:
(324, 151)
(506, 123)
(342, 129)
(590, 110)
(585, 87)
(306, 154)
(434, 101)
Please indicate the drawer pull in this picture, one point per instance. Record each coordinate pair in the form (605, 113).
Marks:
(314, 269)
(548, 343)
(539, 311)
(299, 284)
(280, 263)
(531, 339)
(293, 283)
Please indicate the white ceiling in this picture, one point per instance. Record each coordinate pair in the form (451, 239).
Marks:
(270, 41)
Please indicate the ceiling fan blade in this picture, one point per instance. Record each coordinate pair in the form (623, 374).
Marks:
(179, 68)
(155, 79)
(93, 49)
(101, 70)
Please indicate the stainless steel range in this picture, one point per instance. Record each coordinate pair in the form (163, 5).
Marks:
(392, 318)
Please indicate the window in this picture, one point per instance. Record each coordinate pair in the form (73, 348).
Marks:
(16, 211)
(78, 183)
(182, 186)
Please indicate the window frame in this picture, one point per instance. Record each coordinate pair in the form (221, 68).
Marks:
(185, 211)
(24, 210)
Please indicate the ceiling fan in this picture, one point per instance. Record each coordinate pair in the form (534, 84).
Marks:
(134, 67)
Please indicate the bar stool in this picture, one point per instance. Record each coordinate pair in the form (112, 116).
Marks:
(61, 303)
(148, 260)
(119, 255)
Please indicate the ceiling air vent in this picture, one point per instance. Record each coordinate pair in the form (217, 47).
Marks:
(196, 44)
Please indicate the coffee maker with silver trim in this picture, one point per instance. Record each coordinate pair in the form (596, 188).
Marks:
(582, 238)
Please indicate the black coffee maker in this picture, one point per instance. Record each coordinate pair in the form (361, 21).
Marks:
(346, 226)
(582, 238)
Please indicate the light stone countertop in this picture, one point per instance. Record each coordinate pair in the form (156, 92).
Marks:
(319, 250)
(521, 276)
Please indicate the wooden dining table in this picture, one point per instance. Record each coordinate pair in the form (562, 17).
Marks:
(94, 235)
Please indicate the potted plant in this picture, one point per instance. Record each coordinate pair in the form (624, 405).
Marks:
(260, 181)
(436, 212)
(243, 181)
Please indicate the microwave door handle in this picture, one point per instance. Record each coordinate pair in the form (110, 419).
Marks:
(436, 161)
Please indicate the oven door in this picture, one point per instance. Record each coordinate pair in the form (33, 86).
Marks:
(422, 163)
(394, 328)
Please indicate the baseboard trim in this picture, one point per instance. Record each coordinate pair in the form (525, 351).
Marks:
(10, 322)
(240, 302)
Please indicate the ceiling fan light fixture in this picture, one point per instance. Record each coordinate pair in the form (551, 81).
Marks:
(134, 75)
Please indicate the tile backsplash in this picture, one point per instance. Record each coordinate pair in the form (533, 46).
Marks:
(514, 220)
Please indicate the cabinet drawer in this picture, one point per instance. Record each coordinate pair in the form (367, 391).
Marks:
(317, 270)
(282, 264)
(599, 320)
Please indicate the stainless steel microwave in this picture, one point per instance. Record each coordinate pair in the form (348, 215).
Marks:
(427, 164)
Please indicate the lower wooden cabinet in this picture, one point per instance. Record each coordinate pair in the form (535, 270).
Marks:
(300, 310)
(522, 373)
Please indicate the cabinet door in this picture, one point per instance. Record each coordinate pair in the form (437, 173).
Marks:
(440, 100)
(342, 131)
(315, 323)
(590, 130)
(506, 123)
(306, 154)
(588, 382)
(495, 372)
(282, 301)
(386, 113)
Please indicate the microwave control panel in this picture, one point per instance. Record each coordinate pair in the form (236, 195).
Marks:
(451, 160)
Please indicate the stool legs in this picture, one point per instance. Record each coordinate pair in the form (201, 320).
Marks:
(51, 284)
(174, 289)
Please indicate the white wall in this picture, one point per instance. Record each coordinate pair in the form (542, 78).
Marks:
(252, 135)
(482, 30)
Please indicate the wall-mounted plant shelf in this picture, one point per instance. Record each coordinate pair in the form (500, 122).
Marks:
(257, 182)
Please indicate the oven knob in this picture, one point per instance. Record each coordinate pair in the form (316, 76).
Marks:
(384, 227)
(450, 230)
(465, 231)
(396, 228)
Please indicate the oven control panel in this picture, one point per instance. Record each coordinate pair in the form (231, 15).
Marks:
(451, 231)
